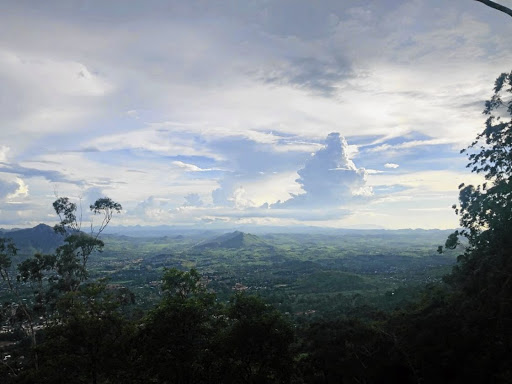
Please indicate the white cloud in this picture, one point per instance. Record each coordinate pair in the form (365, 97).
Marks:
(298, 146)
(152, 209)
(192, 168)
(150, 139)
(255, 190)
(257, 215)
(329, 177)
(7, 188)
(410, 144)
(240, 200)
(42, 94)
(272, 188)
(21, 191)
(251, 94)
(193, 200)
(187, 167)
(4, 149)
(426, 181)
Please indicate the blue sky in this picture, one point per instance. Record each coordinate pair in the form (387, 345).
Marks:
(218, 114)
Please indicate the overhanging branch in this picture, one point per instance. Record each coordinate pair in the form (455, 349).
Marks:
(497, 6)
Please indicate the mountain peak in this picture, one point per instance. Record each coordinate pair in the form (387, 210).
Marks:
(41, 238)
(232, 240)
(42, 227)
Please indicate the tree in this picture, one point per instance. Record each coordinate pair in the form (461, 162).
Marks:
(497, 6)
(8, 251)
(485, 211)
(175, 342)
(89, 343)
(351, 351)
(51, 276)
(73, 256)
(257, 343)
(482, 278)
(67, 212)
(182, 284)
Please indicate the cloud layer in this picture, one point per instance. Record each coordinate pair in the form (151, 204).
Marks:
(208, 112)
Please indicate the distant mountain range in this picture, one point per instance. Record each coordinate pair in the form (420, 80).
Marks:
(233, 240)
(42, 238)
(198, 231)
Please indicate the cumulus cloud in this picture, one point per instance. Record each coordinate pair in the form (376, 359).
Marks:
(262, 172)
(21, 191)
(8, 188)
(193, 200)
(329, 177)
(231, 194)
(240, 199)
(152, 208)
(391, 165)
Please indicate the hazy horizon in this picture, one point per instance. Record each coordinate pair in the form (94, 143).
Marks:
(163, 229)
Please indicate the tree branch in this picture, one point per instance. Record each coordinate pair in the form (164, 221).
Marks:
(497, 6)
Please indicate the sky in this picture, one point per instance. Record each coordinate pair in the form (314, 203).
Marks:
(219, 114)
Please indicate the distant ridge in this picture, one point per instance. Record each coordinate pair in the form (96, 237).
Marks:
(42, 238)
(233, 240)
(211, 231)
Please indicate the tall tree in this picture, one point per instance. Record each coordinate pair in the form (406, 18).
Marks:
(482, 278)
(485, 211)
(73, 256)
(51, 276)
